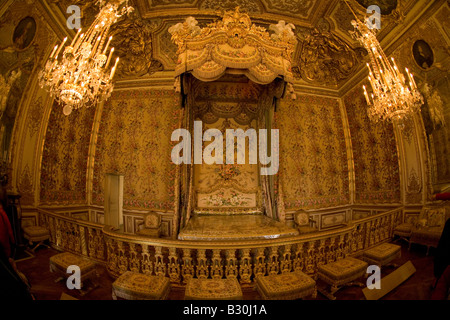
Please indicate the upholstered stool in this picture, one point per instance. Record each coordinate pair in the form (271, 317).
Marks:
(382, 254)
(60, 262)
(36, 234)
(341, 273)
(213, 289)
(286, 286)
(403, 231)
(140, 286)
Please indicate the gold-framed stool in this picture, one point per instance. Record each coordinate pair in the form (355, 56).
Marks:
(213, 289)
(344, 272)
(403, 231)
(36, 234)
(286, 286)
(383, 254)
(61, 261)
(140, 286)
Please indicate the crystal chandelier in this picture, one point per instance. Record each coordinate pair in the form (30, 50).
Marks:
(393, 97)
(81, 77)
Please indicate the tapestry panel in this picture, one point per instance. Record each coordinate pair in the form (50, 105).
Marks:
(313, 157)
(65, 156)
(375, 154)
(134, 141)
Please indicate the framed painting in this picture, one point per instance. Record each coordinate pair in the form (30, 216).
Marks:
(423, 54)
(24, 33)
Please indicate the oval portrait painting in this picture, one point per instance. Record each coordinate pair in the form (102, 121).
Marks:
(423, 55)
(24, 33)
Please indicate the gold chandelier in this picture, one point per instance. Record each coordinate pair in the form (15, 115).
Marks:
(82, 76)
(392, 97)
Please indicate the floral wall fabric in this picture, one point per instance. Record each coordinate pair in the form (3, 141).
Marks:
(65, 156)
(313, 157)
(376, 163)
(134, 141)
(229, 185)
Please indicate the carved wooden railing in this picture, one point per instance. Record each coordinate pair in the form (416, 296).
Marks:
(181, 259)
(74, 235)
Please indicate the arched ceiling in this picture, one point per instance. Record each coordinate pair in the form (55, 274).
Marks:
(325, 55)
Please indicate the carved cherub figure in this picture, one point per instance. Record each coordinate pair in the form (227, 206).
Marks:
(283, 31)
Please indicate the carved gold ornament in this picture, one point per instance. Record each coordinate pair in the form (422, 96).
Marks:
(234, 45)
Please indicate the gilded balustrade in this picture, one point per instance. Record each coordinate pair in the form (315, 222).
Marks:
(77, 236)
(181, 259)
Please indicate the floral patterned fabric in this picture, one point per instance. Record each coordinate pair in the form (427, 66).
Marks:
(430, 224)
(382, 254)
(35, 233)
(133, 141)
(234, 228)
(60, 262)
(139, 286)
(313, 156)
(403, 230)
(342, 271)
(213, 289)
(376, 164)
(286, 286)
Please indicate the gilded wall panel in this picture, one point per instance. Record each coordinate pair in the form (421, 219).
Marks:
(313, 157)
(425, 51)
(65, 154)
(134, 141)
(375, 154)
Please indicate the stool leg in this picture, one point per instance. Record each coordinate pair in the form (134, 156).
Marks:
(334, 288)
(114, 294)
(314, 294)
(36, 246)
(326, 293)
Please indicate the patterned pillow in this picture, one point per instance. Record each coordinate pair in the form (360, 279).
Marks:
(152, 220)
(301, 218)
(422, 222)
(436, 217)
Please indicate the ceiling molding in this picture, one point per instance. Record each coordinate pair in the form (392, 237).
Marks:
(56, 19)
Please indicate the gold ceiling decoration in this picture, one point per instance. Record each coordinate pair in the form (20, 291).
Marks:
(132, 39)
(324, 58)
(234, 45)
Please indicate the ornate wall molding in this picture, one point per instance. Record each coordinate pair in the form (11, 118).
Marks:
(324, 59)
(132, 39)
